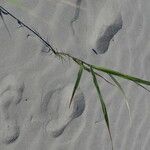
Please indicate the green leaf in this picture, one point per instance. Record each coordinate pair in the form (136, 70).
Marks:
(122, 91)
(102, 103)
(125, 76)
(88, 70)
(142, 86)
(76, 83)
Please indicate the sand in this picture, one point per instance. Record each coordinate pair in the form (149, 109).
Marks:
(35, 87)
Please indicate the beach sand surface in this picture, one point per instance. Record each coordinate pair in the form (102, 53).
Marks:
(35, 86)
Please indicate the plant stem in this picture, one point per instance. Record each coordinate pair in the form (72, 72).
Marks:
(23, 24)
(77, 60)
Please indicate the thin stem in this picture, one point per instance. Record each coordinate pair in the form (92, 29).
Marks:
(27, 27)
(57, 53)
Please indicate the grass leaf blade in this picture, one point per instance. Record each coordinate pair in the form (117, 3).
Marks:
(87, 69)
(76, 83)
(142, 86)
(122, 75)
(102, 103)
(122, 91)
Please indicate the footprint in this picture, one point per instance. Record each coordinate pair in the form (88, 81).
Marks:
(102, 43)
(10, 95)
(61, 114)
(106, 25)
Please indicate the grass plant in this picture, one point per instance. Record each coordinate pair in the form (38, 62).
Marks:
(94, 70)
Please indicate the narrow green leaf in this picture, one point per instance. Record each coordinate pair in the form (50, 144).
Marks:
(76, 83)
(122, 91)
(125, 76)
(142, 86)
(102, 103)
(88, 70)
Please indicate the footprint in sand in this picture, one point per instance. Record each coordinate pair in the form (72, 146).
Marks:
(107, 24)
(103, 41)
(10, 96)
(57, 102)
(105, 36)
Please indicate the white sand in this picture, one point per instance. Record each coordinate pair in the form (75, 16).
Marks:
(35, 87)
